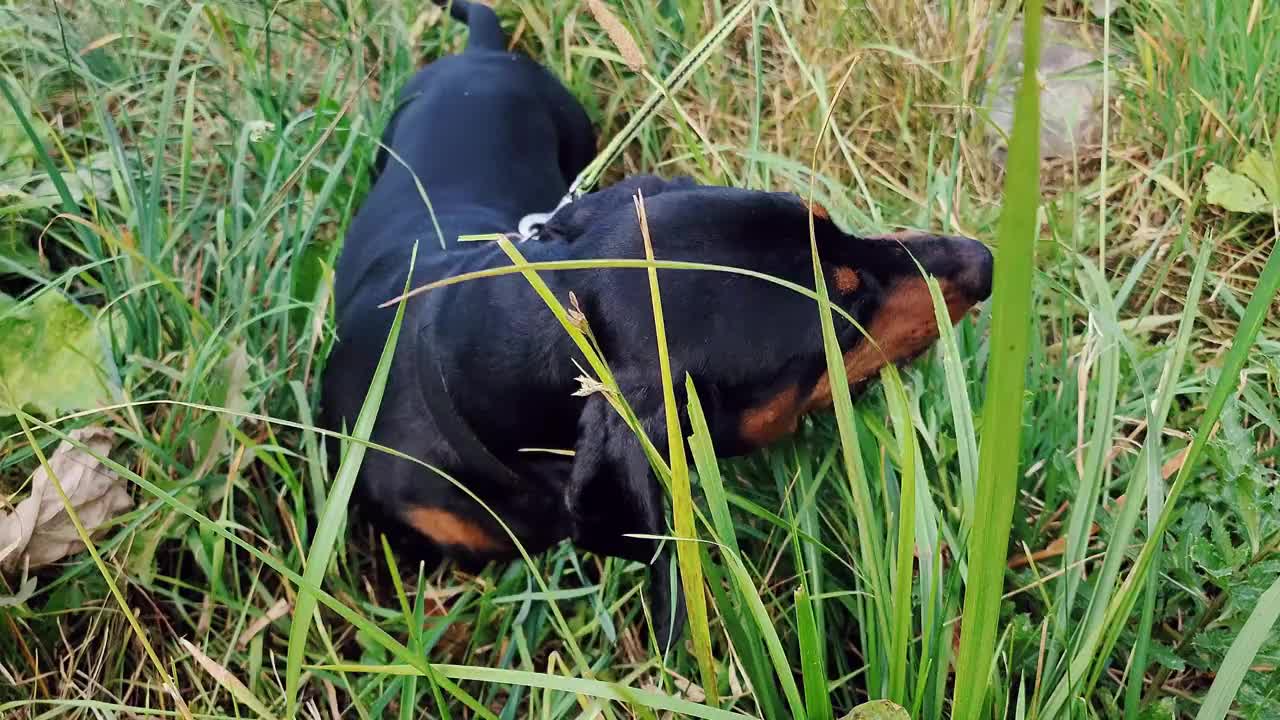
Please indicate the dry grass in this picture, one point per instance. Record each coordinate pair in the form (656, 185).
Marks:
(237, 260)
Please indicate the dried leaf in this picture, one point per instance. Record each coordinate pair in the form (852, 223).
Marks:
(26, 589)
(91, 178)
(618, 33)
(1103, 8)
(1070, 88)
(576, 316)
(274, 613)
(227, 680)
(39, 531)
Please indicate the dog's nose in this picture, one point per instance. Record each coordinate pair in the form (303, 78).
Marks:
(964, 264)
(974, 268)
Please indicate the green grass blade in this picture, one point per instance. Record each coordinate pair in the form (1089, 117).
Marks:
(332, 518)
(1256, 631)
(961, 408)
(704, 459)
(1099, 643)
(871, 540)
(1006, 381)
(687, 550)
(1094, 468)
(812, 668)
(904, 570)
(765, 629)
(591, 688)
(1150, 464)
(590, 175)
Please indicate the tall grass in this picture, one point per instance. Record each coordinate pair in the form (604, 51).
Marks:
(864, 560)
(988, 540)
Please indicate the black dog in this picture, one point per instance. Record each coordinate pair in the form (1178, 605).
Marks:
(483, 370)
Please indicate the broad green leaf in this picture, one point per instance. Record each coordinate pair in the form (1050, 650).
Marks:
(17, 254)
(52, 357)
(1257, 629)
(878, 710)
(1233, 192)
(1263, 172)
(16, 156)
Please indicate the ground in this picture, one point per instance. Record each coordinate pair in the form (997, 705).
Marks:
(211, 156)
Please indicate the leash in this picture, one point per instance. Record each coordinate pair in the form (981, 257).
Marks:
(530, 226)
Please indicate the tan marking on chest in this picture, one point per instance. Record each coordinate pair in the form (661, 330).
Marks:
(776, 418)
(446, 528)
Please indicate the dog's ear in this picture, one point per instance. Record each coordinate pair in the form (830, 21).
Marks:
(575, 218)
(611, 493)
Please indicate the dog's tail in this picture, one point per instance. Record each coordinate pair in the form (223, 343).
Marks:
(486, 31)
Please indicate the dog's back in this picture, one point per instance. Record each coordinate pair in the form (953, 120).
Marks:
(486, 136)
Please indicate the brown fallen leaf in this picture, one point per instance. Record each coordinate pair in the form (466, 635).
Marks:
(39, 531)
(1052, 550)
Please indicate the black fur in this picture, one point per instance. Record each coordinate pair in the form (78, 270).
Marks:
(483, 370)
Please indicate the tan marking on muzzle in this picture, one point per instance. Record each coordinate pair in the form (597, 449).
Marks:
(446, 528)
(902, 327)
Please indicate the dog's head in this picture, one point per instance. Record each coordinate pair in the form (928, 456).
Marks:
(753, 347)
(897, 308)
(747, 336)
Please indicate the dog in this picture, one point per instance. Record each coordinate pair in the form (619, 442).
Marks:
(483, 371)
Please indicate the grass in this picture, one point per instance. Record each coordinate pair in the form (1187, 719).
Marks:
(231, 141)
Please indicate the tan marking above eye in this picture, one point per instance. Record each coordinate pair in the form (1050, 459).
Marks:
(847, 280)
(446, 528)
(818, 210)
(772, 420)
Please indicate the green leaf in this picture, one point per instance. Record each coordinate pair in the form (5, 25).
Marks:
(1211, 559)
(1166, 709)
(17, 254)
(1263, 172)
(878, 710)
(16, 156)
(1233, 192)
(52, 356)
(1256, 630)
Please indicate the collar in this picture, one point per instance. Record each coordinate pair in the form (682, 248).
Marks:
(472, 453)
